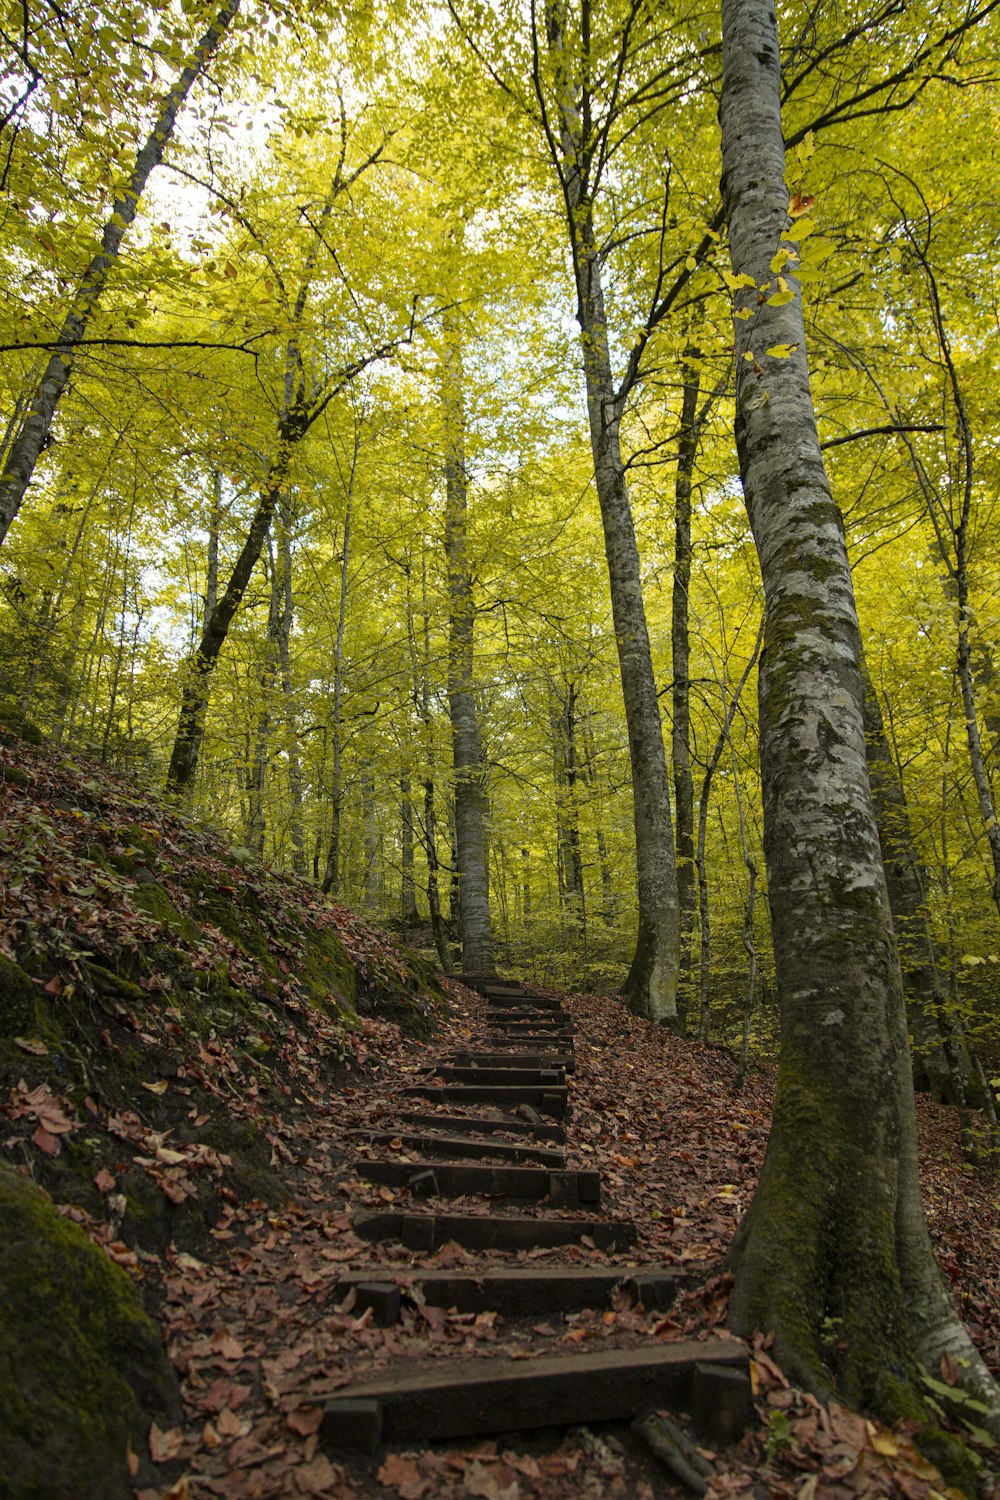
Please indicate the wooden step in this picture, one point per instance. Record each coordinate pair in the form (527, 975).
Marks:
(485, 983)
(490, 1073)
(428, 1232)
(465, 1398)
(529, 1037)
(551, 1100)
(515, 1059)
(532, 1031)
(546, 1021)
(543, 1130)
(570, 1188)
(511, 1001)
(521, 1292)
(454, 1146)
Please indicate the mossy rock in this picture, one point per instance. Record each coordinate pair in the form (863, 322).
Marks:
(82, 1367)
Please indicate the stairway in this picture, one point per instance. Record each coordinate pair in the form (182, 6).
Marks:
(514, 1155)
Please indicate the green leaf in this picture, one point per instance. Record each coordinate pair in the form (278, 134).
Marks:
(781, 351)
(735, 282)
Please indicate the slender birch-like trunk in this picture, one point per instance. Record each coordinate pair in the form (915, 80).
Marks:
(22, 456)
(836, 1228)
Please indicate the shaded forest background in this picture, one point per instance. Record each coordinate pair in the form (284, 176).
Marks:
(350, 273)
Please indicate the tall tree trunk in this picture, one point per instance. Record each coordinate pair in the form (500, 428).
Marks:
(331, 876)
(200, 667)
(680, 737)
(936, 1043)
(369, 815)
(836, 1227)
(651, 985)
(711, 766)
(260, 751)
(27, 445)
(470, 791)
(286, 617)
(609, 904)
(408, 889)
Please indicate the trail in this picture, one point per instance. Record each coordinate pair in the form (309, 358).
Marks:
(396, 1301)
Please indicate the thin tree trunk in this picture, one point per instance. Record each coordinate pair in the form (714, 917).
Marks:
(331, 876)
(651, 985)
(680, 739)
(24, 450)
(470, 792)
(408, 889)
(286, 616)
(200, 667)
(372, 884)
(705, 925)
(925, 985)
(257, 769)
(836, 1228)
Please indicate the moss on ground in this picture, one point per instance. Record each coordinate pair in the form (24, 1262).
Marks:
(83, 1371)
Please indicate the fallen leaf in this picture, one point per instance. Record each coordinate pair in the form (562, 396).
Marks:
(164, 1446)
(156, 1088)
(305, 1420)
(31, 1044)
(316, 1477)
(403, 1475)
(45, 1142)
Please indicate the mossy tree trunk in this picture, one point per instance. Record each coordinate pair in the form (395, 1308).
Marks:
(836, 1229)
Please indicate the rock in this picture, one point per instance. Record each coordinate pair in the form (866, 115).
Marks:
(83, 1371)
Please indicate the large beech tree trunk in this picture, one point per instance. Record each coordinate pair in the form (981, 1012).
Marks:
(470, 793)
(20, 461)
(651, 985)
(836, 1228)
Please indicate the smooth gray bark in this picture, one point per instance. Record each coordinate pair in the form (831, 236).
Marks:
(651, 985)
(470, 791)
(836, 1228)
(680, 733)
(20, 461)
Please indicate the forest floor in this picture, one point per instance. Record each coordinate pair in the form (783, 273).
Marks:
(176, 1072)
(257, 1336)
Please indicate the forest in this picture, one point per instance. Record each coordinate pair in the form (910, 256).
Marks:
(522, 477)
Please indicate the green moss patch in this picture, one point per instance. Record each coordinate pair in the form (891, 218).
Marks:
(83, 1372)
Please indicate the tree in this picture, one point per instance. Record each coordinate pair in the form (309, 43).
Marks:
(833, 1255)
(470, 794)
(36, 424)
